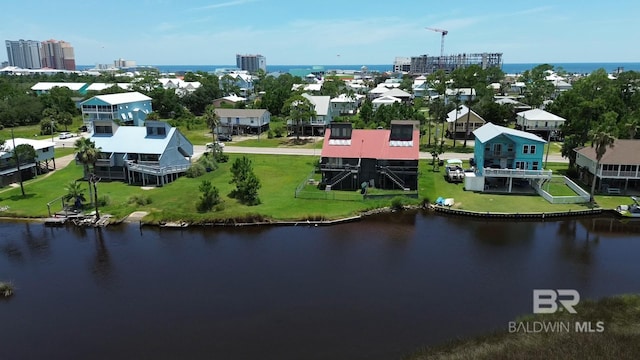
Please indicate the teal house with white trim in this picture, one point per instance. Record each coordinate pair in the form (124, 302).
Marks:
(130, 108)
(506, 160)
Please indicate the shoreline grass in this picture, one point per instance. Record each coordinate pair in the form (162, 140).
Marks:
(620, 338)
(6, 289)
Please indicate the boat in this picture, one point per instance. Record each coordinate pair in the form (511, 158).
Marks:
(632, 210)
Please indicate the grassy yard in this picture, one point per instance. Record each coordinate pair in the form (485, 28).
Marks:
(620, 317)
(33, 131)
(306, 143)
(279, 175)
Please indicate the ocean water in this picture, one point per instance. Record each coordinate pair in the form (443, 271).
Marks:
(573, 68)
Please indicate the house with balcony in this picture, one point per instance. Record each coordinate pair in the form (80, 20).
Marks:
(385, 101)
(130, 108)
(154, 154)
(539, 122)
(316, 125)
(44, 161)
(507, 160)
(383, 158)
(345, 105)
(457, 123)
(242, 121)
(619, 168)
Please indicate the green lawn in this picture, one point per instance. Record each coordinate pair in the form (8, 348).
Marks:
(33, 131)
(60, 152)
(279, 175)
(279, 142)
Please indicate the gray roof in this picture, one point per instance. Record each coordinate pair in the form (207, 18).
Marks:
(489, 131)
(133, 139)
(240, 113)
(321, 103)
(623, 152)
(462, 113)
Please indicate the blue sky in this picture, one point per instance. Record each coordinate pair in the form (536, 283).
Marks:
(329, 32)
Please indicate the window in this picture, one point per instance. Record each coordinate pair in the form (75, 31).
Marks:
(497, 149)
(535, 165)
(103, 129)
(532, 149)
(525, 149)
(521, 165)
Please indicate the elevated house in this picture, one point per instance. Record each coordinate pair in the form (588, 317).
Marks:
(506, 160)
(457, 123)
(345, 105)
(44, 161)
(539, 122)
(619, 169)
(382, 158)
(323, 116)
(243, 121)
(130, 108)
(154, 154)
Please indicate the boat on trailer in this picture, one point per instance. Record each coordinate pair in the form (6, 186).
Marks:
(632, 210)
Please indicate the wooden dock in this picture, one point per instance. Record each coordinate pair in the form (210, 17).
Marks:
(55, 221)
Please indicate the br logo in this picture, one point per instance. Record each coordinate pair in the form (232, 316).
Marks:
(545, 301)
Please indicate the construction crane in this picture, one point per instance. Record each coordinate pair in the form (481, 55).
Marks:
(443, 32)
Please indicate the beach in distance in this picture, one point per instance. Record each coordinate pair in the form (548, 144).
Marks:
(507, 68)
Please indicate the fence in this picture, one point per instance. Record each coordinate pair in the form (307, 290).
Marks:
(580, 197)
(308, 189)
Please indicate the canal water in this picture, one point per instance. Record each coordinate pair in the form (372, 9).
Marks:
(375, 289)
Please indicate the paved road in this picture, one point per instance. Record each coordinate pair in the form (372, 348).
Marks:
(316, 152)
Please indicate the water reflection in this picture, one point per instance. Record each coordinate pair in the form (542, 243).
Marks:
(101, 265)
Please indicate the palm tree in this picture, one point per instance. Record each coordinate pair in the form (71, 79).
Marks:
(75, 193)
(213, 121)
(86, 154)
(600, 141)
(632, 125)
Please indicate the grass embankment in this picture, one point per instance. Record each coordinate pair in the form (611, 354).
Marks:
(279, 175)
(619, 340)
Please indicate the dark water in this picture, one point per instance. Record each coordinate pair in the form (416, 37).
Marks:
(376, 289)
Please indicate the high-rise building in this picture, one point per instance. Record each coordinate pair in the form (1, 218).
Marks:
(57, 55)
(425, 64)
(402, 64)
(251, 63)
(24, 53)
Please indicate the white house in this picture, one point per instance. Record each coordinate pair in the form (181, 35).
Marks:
(539, 121)
(384, 100)
(44, 161)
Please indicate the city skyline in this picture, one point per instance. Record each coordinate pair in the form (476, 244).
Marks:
(199, 32)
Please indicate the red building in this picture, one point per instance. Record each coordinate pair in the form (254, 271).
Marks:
(383, 158)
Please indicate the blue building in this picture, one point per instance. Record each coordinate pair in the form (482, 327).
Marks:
(506, 160)
(154, 154)
(129, 108)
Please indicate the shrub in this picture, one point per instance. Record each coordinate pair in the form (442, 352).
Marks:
(209, 197)
(6, 289)
(195, 170)
(278, 132)
(221, 157)
(104, 200)
(397, 203)
(140, 200)
(208, 162)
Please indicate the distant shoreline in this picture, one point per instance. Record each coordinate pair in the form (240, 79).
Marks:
(508, 68)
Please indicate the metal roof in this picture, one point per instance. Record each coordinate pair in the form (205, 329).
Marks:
(489, 131)
(372, 144)
(37, 145)
(539, 114)
(122, 98)
(133, 139)
(461, 113)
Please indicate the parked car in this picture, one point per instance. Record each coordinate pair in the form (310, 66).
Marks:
(224, 137)
(65, 135)
(213, 145)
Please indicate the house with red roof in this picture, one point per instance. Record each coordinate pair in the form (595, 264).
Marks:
(382, 158)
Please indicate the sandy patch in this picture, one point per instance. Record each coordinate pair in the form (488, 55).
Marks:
(147, 187)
